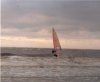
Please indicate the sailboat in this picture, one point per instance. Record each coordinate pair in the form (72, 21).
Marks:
(56, 44)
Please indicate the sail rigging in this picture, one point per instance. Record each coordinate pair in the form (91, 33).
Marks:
(56, 43)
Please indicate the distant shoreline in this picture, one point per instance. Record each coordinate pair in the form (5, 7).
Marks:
(28, 55)
(47, 52)
(51, 48)
(42, 55)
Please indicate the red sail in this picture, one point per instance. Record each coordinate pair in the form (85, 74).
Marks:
(56, 42)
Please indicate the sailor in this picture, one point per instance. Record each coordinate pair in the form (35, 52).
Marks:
(54, 53)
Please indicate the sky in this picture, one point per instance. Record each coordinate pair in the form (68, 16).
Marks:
(28, 23)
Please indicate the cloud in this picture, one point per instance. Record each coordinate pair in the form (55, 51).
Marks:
(35, 19)
(41, 42)
(25, 42)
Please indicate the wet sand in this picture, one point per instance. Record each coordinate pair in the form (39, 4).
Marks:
(50, 69)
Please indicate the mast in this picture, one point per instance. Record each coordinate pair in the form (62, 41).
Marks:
(56, 42)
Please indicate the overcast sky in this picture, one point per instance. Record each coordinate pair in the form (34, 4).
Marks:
(28, 23)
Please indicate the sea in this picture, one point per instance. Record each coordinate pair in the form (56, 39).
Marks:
(39, 65)
(41, 52)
